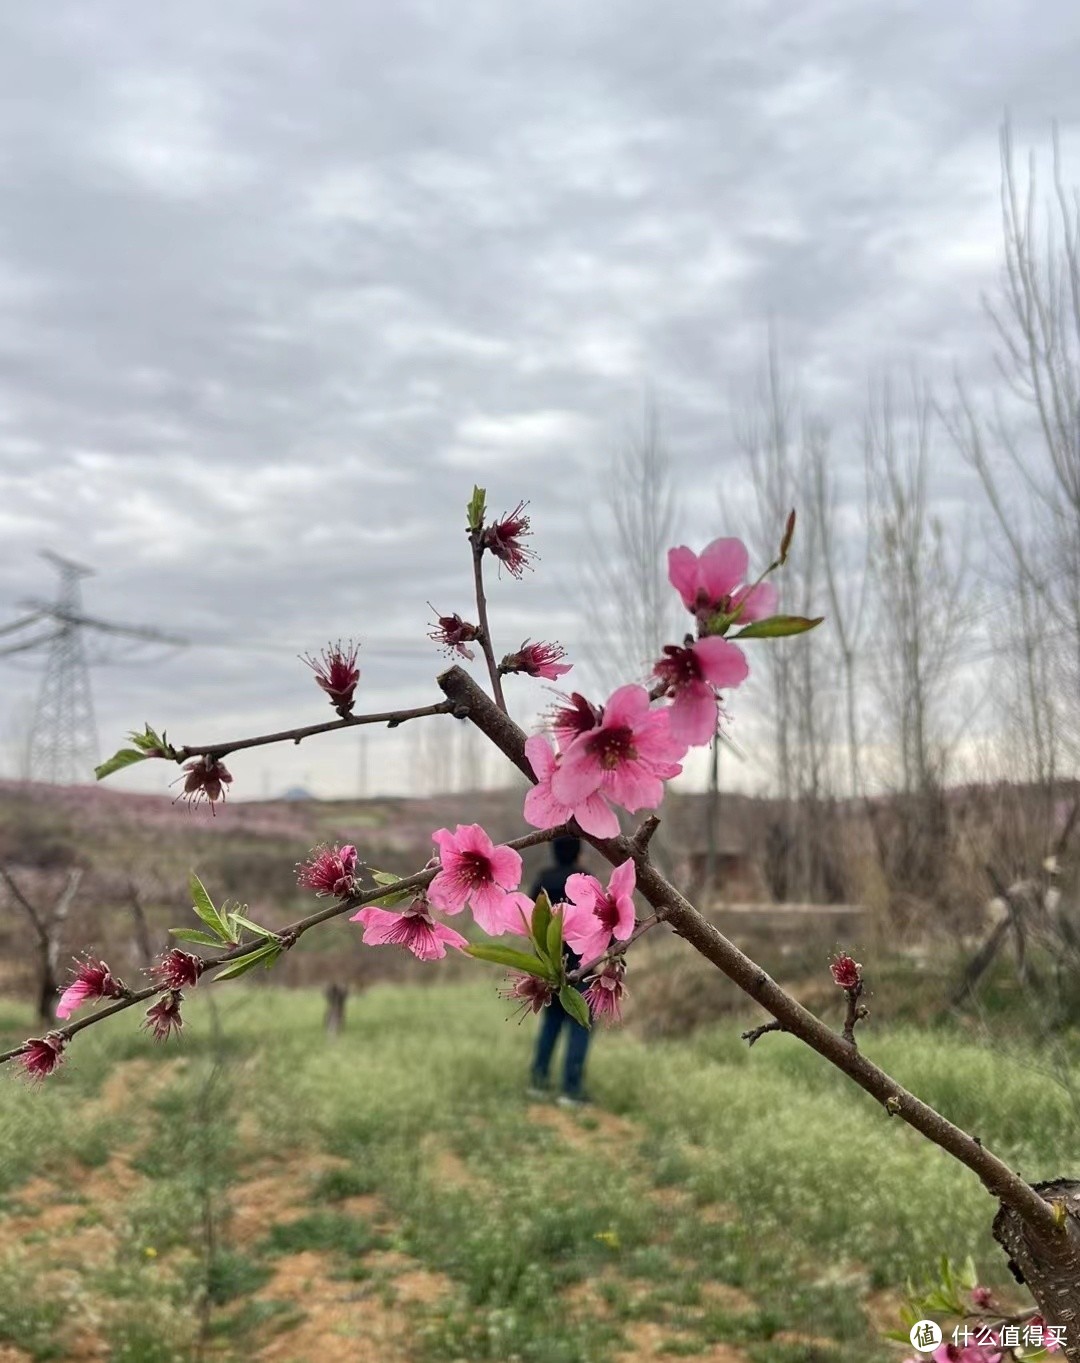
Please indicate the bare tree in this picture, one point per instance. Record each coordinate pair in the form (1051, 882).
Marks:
(629, 609)
(1026, 450)
(921, 620)
(786, 452)
(48, 926)
(844, 553)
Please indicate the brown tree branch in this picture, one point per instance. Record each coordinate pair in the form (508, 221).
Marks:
(391, 718)
(672, 907)
(485, 640)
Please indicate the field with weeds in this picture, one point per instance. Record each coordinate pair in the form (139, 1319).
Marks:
(260, 1192)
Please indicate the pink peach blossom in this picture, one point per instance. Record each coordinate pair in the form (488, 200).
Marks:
(606, 992)
(594, 915)
(542, 810)
(92, 980)
(627, 757)
(329, 871)
(476, 872)
(414, 929)
(537, 660)
(692, 676)
(42, 1055)
(709, 582)
(337, 673)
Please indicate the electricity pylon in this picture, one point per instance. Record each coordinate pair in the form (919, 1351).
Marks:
(63, 742)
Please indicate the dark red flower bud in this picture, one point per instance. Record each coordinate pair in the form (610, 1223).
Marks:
(528, 991)
(846, 972)
(206, 780)
(329, 870)
(537, 660)
(503, 539)
(454, 634)
(337, 673)
(178, 969)
(163, 1018)
(573, 717)
(42, 1055)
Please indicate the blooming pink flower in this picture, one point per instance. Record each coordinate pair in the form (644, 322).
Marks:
(454, 634)
(163, 1018)
(709, 582)
(537, 660)
(606, 992)
(627, 757)
(692, 676)
(846, 972)
(528, 992)
(42, 1055)
(178, 969)
(337, 673)
(92, 980)
(504, 540)
(593, 915)
(206, 780)
(476, 872)
(542, 810)
(414, 929)
(329, 871)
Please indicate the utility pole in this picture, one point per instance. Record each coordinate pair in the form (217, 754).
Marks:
(63, 741)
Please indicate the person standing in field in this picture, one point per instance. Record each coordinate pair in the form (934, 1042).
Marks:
(552, 880)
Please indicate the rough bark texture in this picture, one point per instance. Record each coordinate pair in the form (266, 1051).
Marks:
(1049, 1268)
(1048, 1254)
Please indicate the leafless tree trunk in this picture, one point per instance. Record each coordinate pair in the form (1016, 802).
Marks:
(48, 932)
(921, 619)
(780, 447)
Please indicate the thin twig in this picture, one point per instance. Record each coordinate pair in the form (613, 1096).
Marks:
(756, 1033)
(482, 615)
(391, 718)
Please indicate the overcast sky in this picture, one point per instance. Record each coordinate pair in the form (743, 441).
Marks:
(280, 281)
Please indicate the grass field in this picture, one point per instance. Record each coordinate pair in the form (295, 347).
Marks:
(259, 1192)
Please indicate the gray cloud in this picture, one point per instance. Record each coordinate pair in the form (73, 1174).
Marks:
(278, 283)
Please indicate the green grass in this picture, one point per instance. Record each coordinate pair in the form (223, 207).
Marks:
(704, 1164)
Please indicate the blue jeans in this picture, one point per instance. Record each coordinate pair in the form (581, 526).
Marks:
(553, 1019)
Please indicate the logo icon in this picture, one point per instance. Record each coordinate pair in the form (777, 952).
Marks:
(925, 1335)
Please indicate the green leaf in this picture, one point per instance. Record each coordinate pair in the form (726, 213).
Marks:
(513, 960)
(387, 901)
(474, 512)
(264, 955)
(204, 907)
(540, 919)
(778, 627)
(574, 1004)
(555, 940)
(150, 744)
(119, 760)
(202, 939)
(237, 920)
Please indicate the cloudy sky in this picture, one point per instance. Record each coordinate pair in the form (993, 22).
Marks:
(280, 281)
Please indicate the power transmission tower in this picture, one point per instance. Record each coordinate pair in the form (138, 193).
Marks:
(63, 741)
